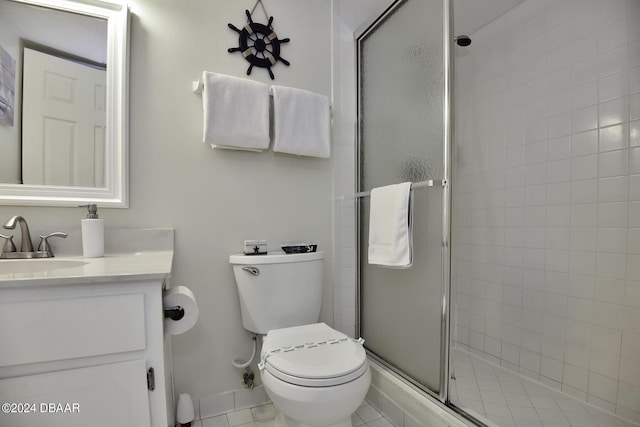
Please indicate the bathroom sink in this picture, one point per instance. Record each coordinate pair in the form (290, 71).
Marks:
(22, 266)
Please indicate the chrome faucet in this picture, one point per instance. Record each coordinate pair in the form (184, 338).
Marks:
(26, 246)
(25, 242)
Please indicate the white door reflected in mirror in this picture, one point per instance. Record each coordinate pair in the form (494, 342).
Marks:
(63, 121)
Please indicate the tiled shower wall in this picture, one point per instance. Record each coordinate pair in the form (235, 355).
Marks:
(546, 238)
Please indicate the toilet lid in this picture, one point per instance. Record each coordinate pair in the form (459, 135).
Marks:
(313, 356)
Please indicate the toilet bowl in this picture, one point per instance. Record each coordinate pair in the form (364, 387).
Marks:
(315, 375)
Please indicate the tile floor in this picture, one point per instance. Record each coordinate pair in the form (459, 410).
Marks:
(509, 400)
(262, 416)
(493, 394)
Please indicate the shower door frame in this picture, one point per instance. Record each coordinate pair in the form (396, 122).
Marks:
(366, 28)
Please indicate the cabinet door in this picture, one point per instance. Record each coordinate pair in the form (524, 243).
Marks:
(75, 326)
(97, 396)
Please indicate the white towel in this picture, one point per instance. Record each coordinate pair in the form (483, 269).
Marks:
(390, 226)
(301, 122)
(236, 112)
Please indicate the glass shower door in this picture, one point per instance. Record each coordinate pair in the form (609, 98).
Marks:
(402, 109)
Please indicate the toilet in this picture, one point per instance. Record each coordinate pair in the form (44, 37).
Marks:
(315, 375)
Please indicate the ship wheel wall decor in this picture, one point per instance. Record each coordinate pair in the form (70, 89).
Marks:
(259, 45)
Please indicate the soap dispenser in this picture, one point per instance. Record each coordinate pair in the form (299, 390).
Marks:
(92, 233)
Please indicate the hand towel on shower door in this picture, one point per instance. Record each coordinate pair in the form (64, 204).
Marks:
(301, 122)
(390, 226)
(236, 112)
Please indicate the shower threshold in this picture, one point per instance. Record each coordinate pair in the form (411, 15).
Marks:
(501, 398)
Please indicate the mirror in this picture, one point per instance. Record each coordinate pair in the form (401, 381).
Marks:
(63, 102)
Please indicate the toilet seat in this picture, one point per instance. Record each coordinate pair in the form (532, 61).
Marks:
(313, 356)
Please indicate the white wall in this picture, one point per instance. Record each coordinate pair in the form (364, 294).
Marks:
(547, 197)
(214, 199)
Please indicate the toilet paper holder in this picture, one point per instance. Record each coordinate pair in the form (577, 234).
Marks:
(180, 310)
(174, 313)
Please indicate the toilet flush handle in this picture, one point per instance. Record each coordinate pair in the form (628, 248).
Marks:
(254, 271)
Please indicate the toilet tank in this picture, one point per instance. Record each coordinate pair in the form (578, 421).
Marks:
(278, 290)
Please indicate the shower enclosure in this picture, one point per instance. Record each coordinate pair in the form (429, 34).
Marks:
(522, 306)
(403, 106)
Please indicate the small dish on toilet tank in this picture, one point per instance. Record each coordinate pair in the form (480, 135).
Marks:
(255, 247)
(299, 247)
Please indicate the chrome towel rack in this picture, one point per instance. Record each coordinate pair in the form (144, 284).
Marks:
(414, 185)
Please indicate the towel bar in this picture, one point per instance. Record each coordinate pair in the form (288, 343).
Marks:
(197, 86)
(414, 185)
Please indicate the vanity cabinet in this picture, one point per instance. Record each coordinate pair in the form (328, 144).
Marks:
(83, 354)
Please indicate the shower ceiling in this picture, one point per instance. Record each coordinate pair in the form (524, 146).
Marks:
(471, 15)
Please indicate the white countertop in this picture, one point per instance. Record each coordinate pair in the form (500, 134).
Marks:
(131, 254)
(150, 265)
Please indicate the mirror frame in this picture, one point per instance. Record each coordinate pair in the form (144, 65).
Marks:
(116, 192)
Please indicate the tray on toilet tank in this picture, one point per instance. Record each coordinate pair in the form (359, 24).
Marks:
(299, 247)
